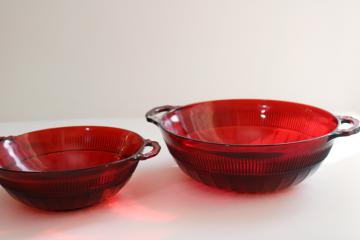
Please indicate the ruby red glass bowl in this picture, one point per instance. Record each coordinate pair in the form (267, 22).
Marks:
(70, 167)
(249, 145)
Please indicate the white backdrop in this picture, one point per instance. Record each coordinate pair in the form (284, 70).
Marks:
(80, 58)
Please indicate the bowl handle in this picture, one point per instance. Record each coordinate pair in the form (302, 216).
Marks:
(154, 151)
(6, 138)
(151, 115)
(355, 126)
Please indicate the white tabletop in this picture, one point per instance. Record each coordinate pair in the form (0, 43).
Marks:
(160, 202)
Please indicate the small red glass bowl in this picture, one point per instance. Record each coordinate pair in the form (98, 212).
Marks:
(70, 167)
(249, 145)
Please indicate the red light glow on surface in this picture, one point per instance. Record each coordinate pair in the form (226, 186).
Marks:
(59, 235)
(133, 209)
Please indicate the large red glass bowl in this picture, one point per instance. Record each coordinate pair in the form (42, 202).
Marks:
(71, 167)
(249, 145)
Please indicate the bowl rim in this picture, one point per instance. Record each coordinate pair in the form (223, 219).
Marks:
(250, 145)
(74, 171)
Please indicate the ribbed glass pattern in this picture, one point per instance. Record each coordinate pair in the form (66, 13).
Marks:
(67, 168)
(248, 145)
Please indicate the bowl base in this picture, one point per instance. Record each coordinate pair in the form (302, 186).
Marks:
(66, 203)
(249, 184)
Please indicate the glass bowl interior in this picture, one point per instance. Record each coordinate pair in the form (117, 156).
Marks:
(249, 122)
(67, 148)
